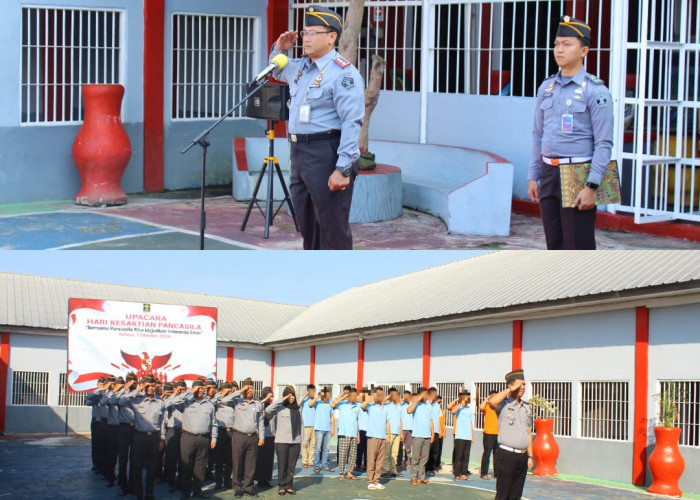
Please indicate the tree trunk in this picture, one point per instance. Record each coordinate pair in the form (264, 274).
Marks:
(347, 45)
(376, 76)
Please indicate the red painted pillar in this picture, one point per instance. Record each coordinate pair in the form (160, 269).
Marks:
(517, 361)
(4, 368)
(641, 391)
(360, 363)
(277, 23)
(426, 358)
(229, 364)
(312, 364)
(153, 64)
(272, 370)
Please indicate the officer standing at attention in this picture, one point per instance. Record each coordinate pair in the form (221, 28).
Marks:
(326, 111)
(149, 432)
(173, 433)
(573, 124)
(126, 435)
(199, 433)
(514, 452)
(224, 419)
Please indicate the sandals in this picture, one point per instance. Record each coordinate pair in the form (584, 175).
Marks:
(291, 492)
(281, 493)
(317, 470)
(353, 478)
(341, 477)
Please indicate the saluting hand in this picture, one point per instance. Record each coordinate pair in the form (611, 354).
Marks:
(585, 200)
(337, 181)
(286, 40)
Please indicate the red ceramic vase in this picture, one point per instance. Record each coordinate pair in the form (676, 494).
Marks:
(101, 149)
(545, 448)
(666, 462)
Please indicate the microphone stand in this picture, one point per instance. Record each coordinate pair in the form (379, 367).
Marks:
(202, 141)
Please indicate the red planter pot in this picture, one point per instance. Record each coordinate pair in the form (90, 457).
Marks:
(666, 462)
(545, 448)
(101, 149)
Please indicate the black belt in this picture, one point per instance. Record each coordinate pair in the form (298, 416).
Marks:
(321, 136)
(225, 429)
(149, 433)
(247, 434)
(198, 435)
(126, 423)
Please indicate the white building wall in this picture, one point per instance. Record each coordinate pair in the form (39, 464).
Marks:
(468, 355)
(38, 353)
(253, 363)
(292, 366)
(336, 363)
(221, 362)
(394, 359)
(674, 351)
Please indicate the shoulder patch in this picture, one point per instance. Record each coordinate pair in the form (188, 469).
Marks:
(341, 61)
(595, 80)
(347, 82)
(601, 99)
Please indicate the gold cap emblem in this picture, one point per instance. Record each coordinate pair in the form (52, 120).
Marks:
(567, 19)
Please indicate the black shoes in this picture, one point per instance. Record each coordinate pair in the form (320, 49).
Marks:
(238, 494)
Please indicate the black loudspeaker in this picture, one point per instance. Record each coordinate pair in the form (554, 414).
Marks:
(270, 102)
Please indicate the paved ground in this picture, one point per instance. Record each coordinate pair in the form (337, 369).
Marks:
(171, 221)
(59, 467)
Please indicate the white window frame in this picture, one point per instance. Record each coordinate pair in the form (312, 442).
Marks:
(630, 410)
(35, 374)
(694, 427)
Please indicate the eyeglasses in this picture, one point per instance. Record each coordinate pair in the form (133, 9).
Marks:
(311, 34)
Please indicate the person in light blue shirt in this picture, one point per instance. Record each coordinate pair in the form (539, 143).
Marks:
(406, 427)
(422, 435)
(434, 460)
(362, 422)
(324, 428)
(348, 431)
(378, 435)
(464, 431)
(308, 415)
(393, 410)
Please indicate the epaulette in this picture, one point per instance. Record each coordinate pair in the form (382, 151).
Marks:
(342, 62)
(595, 79)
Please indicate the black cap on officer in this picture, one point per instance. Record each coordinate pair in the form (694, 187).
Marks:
(518, 374)
(322, 16)
(167, 387)
(210, 382)
(226, 385)
(181, 383)
(568, 26)
(197, 383)
(130, 377)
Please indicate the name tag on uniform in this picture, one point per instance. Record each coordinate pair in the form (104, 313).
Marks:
(304, 113)
(567, 123)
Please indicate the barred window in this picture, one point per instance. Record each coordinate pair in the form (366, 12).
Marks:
(320, 387)
(687, 401)
(299, 388)
(559, 393)
(389, 30)
(257, 388)
(213, 61)
(605, 410)
(449, 392)
(30, 388)
(74, 398)
(63, 49)
(482, 392)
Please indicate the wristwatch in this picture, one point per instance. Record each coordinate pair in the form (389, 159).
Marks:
(344, 170)
(592, 185)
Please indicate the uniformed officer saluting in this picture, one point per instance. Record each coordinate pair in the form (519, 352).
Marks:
(326, 111)
(514, 452)
(573, 124)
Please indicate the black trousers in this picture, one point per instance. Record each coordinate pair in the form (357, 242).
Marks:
(244, 450)
(173, 464)
(111, 451)
(265, 461)
(490, 442)
(362, 451)
(194, 452)
(434, 456)
(460, 457)
(93, 444)
(511, 469)
(564, 228)
(323, 215)
(125, 439)
(101, 445)
(145, 455)
(287, 456)
(223, 458)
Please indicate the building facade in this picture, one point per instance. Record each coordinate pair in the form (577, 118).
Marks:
(601, 348)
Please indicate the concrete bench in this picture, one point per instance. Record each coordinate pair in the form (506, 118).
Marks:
(470, 190)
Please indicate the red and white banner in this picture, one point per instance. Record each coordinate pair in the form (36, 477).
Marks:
(108, 337)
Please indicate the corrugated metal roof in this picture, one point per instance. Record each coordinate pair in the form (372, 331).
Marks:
(41, 302)
(497, 280)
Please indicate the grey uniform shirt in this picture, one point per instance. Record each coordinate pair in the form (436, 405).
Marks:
(589, 101)
(334, 90)
(198, 417)
(173, 416)
(126, 414)
(283, 421)
(110, 412)
(93, 399)
(248, 415)
(514, 423)
(149, 413)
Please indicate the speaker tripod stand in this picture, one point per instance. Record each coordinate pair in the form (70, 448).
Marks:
(270, 166)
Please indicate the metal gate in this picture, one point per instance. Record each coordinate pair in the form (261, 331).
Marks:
(659, 133)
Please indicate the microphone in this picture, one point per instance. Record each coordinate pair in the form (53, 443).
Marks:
(277, 62)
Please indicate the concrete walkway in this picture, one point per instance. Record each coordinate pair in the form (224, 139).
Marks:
(58, 467)
(171, 221)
